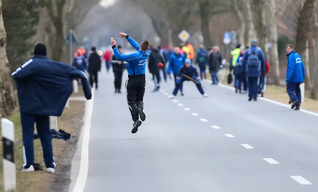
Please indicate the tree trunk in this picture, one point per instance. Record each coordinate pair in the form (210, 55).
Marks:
(259, 23)
(7, 99)
(241, 31)
(249, 23)
(307, 68)
(205, 21)
(314, 90)
(273, 52)
(59, 40)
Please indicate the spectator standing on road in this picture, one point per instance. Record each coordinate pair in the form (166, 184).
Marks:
(176, 61)
(240, 76)
(253, 64)
(44, 87)
(202, 60)
(185, 50)
(94, 67)
(295, 75)
(234, 55)
(107, 58)
(215, 60)
(118, 68)
(155, 58)
(80, 63)
(190, 51)
(262, 83)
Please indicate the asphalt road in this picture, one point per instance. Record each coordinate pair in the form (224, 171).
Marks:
(218, 144)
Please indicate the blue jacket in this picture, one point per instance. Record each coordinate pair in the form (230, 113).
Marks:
(253, 71)
(202, 58)
(295, 68)
(238, 65)
(167, 54)
(136, 61)
(80, 63)
(44, 86)
(175, 62)
(191, 72)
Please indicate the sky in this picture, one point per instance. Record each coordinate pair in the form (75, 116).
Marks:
(106, 3)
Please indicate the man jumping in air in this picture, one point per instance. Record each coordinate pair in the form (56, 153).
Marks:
(136, 77)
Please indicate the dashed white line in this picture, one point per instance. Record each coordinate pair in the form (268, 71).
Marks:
(301, 180)
(180, 104)
(271, 161)
(247, 146)
(162, 91)
(229, 135)
(166, 93)
(174, 100)
(204, 120)
(195, 114)
(215, 127)
(186, 109)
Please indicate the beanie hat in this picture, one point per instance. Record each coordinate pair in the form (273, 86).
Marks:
(40, 49)
(187, 61)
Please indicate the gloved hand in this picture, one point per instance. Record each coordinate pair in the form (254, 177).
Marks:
(194, 77)
(178, 80)
(198, 80)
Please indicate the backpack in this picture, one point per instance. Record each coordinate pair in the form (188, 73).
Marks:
(238, 67)
(253, 60)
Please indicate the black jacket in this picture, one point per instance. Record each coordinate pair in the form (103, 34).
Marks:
(117, 67)
(215, 60)
(94, 62)
(155, 58)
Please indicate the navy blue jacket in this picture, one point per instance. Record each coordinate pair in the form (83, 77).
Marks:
(137, 61)
(175, 63)
(80, 63)
(295, 68)
(202, 58)
(254, 71)
(191, 72)
(44, 86)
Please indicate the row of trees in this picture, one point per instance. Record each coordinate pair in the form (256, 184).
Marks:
(257, 19)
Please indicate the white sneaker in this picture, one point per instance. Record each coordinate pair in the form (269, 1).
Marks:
(30, 169)
(171, 97)
(205, 95)
(50, 170)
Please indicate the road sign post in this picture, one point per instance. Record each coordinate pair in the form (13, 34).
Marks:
(302, 91)
(184, 36)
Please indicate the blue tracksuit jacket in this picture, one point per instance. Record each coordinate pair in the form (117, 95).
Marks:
(202, 58)
(175, 63)
(44, 85)
(253, 71)
(136, 61)
(80, 63)
(191, 72)
(295, 68)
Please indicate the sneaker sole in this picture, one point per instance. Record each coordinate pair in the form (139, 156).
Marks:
(142, 116)
(135, 129)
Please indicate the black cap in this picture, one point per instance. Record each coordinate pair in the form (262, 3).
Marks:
(93, 48)
(238, 46)
(40, 49)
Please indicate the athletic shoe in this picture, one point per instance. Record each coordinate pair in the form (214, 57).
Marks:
(115, 90)
(255, 99)
(295, 103)
(29, 169)
(250, 99)
(118, 91)
(158, 88)
(262, 94)
(235, 89)
(171, 97)
(37, 167)
(297, 108)
(135, 126)
(142, 114)
(205, 95)
(50, 170)
(182, 94)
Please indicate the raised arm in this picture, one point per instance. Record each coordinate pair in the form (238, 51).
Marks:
(133, 43)
(121, 57)
(24, 71)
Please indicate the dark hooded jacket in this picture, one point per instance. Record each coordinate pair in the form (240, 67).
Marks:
(155, 58)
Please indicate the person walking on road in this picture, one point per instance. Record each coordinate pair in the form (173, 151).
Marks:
(44, 87)
(118, 68)
(155, 58)
(188, 73)
(295, 75)
(240, 76)
(234, 55)
(215, 60)
(80, 63)
(94, 67)
(136, 83)
(176, 61)
(107, 58)
(253, 64)
(202, 60)
(191, 51)
(262, 83)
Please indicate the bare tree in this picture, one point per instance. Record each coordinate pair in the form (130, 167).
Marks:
(250, 29)
(239, 9)
(259, 22)
(7, 99)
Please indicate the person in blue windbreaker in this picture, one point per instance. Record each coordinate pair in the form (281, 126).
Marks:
(295, 75)
(80, 63)
(176, 61)
(44, 87)
(188, 73)
(202, 60)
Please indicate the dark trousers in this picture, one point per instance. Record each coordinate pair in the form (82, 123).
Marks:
(108, 64)
(93, 78)
(293, 88)
(118, 79)
(135, 94)
(164, 74)
(43, 128)
(175, 83)
(262, 84)
(253, 87)
(243, 81)
(179, 85)
(202, 72)
(214, 76)
(156, 79)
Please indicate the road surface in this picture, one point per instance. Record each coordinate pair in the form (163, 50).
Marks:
(222, 143)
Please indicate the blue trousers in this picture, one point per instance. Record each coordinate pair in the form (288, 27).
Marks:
(175, 82)
(215, 79)
(293, 88)
(253, 87)
(239, 80)
(202, 72)
(179, 86)
(108, 64)
(262, 84)
(164, 73)
(43, 128)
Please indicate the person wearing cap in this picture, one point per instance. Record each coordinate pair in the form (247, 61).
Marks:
(176, 61)
(240, 77)
(253, 65)
(187, 73)
(44, 87)
(118, 69)
(202, 60)
(94, 67)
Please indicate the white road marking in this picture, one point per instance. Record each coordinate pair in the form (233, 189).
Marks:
(229, 135)
(247, 146)
(83, 170)
(162, 91)
(204, 120)
(195, 114)
(215, 127)
(174, 100)
(301, 180)
(271, 161)
(186, 109)
(180, 104)
(166, 93)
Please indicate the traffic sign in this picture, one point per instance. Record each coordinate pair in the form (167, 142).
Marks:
(71, 38)
(184, 36)
(227, 39)
(233, 37)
